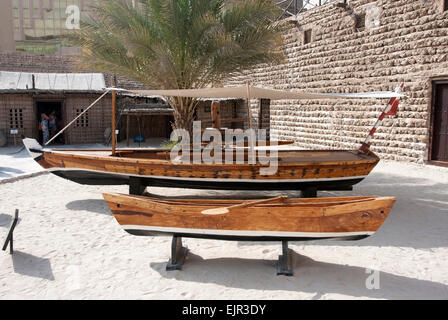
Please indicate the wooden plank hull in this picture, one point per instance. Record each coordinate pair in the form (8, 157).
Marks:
(296, 170)
(350, 218)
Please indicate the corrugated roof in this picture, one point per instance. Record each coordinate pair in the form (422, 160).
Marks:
(21, 81)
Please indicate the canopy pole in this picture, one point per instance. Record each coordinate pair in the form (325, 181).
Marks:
(114, 109)
(390, 110)
(215, 114)
(251, 142)
(87, 109)
(127, 130)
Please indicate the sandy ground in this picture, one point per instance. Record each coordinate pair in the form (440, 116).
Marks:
(69, 246)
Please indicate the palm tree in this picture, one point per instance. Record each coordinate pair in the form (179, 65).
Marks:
(179, 44)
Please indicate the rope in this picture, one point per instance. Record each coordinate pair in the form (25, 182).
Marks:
(87, 109)
(15, 152)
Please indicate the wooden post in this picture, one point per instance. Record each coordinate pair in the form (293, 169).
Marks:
(249, 113)
(127, 130)
(114, 110)
(216, 117)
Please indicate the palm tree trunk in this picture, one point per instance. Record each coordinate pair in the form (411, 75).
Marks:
(184, 110)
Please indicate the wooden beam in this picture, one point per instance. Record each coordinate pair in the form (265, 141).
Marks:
(114, 109)
(127, 129)
(226, 120)
(216, 117)
(249, 113)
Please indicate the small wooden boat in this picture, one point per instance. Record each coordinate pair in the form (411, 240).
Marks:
(296, 170)
(346, 218)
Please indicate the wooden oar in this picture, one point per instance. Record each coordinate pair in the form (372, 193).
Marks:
(224, 210)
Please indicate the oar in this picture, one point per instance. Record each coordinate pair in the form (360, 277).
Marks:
(224, 210)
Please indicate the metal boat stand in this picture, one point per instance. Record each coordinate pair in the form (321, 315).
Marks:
(178, 254)
(285, 263)
(10, 236)
(136, 187)
(309, 193)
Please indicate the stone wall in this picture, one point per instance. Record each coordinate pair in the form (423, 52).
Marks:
(400, 41)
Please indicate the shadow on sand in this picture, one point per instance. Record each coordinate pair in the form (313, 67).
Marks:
(32, 266)
(310, 276)
(93, 205)
(6, 219)
(6, 172)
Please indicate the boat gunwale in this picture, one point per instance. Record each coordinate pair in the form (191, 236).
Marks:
(294, 202)
(373, 158)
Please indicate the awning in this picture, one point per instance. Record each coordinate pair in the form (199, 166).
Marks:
(63, 82)
(147, 111)
(261, 93)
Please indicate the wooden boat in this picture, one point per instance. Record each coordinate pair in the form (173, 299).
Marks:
(308, 171)
(297, 169)
(346, 218)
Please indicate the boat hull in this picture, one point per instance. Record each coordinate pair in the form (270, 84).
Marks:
(295, 170)
(88, 177)
(351, 218)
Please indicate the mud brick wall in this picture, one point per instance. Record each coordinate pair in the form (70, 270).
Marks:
(16, 113)
(99, 116)
(91, 126)
(365, 46)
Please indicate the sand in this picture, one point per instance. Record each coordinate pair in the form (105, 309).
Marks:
(69, 246)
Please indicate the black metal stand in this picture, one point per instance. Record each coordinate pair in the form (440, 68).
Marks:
(136, 187)
(9, 238)
(309, 193)
(178, 254)
(284, 264)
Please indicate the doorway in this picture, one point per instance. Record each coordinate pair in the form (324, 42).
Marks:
(439, 144)
(52, 110)
(264, 116)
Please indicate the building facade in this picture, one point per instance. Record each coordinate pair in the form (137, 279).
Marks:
(39, 24)
(363, 45)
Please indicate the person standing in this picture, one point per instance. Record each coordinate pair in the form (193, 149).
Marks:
(52, 123)
(44, 119)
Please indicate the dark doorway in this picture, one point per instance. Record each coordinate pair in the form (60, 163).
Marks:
(52, 109)
(148, 125)
(439, 147)
(264, 116)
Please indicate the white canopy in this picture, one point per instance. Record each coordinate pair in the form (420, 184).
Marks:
(14, 81)
(260, 93)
